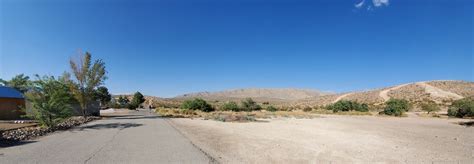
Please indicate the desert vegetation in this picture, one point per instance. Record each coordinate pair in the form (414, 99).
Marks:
(396, 107)
(197, 104)
(462, 108)
(429, 106)
(346, 105)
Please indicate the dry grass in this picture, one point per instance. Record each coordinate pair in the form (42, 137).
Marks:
(179, 113)
(354, 113)
(229, 116)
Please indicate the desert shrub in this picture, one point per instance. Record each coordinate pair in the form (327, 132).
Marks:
(396, 107)
(271, 109)
(346, 105)
(230, 106)
(429, 106)
(249, 105)
(232, 117)
(461, 108)
(307, 109)
(197, 104)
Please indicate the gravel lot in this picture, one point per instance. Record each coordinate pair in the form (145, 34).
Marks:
(336, 139)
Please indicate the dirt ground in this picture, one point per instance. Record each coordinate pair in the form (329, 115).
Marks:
(333, 139)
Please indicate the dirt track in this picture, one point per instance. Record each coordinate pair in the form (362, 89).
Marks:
(336, 139)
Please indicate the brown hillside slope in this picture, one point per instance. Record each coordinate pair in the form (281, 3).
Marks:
(440, 91)
(259, 94)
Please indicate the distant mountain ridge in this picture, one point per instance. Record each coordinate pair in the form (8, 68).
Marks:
(257, 93)
(440, 91)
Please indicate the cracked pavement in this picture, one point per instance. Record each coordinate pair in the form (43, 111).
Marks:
(138, 137)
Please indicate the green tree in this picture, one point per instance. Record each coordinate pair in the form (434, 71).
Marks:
(123, 101)
(102, 94)
(20, 82)
(88, 76)
(51, 101)
(461, 108)
(197, 104)
(137, 99)
(249, 105)
(429, 106)
(230, 106)
(396, 107)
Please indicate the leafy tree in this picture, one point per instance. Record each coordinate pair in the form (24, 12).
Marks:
(20, 82)
(123, 101)
(230, 106)
(461, 108)
(249, 105)
(137, 99)
(51, 101)
(396, 107)
(429, 106)
(197, 104)
(88, 76)
(102, 94)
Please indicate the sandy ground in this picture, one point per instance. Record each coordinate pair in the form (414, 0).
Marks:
(333, 139)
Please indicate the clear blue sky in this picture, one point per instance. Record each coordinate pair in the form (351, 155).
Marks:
(171, 47)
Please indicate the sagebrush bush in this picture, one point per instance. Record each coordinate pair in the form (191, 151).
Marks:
(346, 105)
(271, 109)
(249, 105)
(197, 104)
(307, 109)
(396, 107)
(230, 106)
(429, 106)
(461, 108)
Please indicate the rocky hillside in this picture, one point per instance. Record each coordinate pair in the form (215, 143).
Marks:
(257, 94)
(442, 91)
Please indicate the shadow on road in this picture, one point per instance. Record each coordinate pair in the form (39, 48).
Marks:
(8, 143)
(468, 123)
(132, 117)
(110, 126)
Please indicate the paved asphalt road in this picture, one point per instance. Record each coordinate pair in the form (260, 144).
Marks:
(138, 137)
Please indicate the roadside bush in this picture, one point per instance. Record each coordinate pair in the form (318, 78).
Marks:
(249, 105)
(429, 106)
(396, 107)
(271, 109)
(307, 109)
(197, 104)
(346, 105)
(51, 101)
(230, 106)
(461, 108)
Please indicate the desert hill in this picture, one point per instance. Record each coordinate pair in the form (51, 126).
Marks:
(259, 94)
(440, 91)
